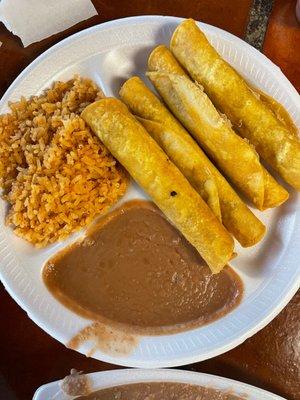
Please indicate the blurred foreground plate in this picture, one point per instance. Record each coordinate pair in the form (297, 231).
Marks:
(105, 379)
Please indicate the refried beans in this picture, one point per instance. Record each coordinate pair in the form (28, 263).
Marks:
(135, 269)
(160, 391)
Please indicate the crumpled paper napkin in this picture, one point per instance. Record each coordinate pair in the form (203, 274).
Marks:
(34, 20)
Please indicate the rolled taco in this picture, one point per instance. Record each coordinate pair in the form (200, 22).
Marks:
(251, 117)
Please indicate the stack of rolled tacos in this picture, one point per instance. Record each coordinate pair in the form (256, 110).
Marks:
(192, 162)
(208, 134)
(234, 156)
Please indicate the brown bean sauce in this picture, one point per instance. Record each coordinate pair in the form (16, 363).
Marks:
(160, 391)
(135, 269)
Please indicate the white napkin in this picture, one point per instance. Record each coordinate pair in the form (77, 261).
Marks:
(34, 20)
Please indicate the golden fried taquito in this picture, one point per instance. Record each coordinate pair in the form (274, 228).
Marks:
(235, 157)
(193, 163)
(173, 139)
(151, 168)
(253, 119)
(190, 159)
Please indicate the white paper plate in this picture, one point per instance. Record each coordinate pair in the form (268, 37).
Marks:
(109, 53)
(105, 379)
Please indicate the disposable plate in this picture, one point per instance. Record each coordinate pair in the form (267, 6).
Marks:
(109, 53)
(101, 380)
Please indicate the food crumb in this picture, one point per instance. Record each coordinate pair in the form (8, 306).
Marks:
(76, 384)
(88, 242)
(175, 277)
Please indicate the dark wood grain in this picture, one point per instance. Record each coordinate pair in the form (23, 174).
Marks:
(271, 360)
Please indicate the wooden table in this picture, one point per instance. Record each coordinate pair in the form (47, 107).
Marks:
(270, 359)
